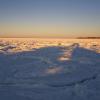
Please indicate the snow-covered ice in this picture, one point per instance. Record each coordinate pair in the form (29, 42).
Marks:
(49, 69)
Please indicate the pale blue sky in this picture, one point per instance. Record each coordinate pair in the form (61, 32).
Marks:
(49, 18)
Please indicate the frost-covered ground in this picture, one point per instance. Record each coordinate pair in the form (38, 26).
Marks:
(49, 69)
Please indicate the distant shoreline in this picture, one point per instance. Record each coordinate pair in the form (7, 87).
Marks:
(88, 38)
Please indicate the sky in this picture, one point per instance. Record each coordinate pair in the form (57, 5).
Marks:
(49, 18)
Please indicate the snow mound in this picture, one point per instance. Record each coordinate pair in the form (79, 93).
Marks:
(43, 70)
